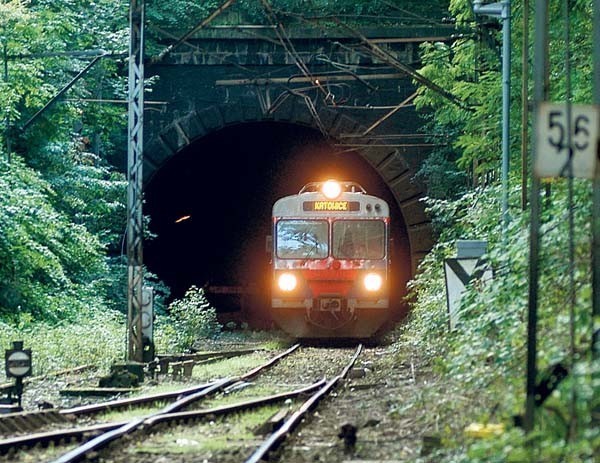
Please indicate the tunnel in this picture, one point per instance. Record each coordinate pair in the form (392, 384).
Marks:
(210, 211)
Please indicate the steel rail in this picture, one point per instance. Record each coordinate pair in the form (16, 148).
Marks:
(197, 414)
(121, 403)
(32, 440)
(279, 436)
(103, 440)
(130, 401)
(37, 418)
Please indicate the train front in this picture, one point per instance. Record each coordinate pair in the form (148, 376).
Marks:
(330, 262)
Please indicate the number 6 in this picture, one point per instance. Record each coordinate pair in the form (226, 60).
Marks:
(581, 123)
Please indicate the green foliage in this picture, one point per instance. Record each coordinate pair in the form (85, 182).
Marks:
(55, 27)
(179, 14)
(193, 318)
(441, 176)
(94, 195)
(182, 15)
(93, 338)
(50, 266)
(485, 354)
(58, 221)
(470, 69)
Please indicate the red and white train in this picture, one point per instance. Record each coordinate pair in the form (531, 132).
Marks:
(331, 260)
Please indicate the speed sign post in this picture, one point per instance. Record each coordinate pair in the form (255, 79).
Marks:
(566, 145)
(17, 363)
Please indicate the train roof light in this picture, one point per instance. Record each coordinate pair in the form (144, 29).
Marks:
(331, 189)
(349, 187)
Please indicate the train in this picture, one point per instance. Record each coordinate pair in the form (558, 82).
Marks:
(330, 259)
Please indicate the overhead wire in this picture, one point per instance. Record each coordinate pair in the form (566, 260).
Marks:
(288, 46)
(158, 58)
(415, 15)
(388, 58)
(291, 50)
(286, 43)
(371, 50)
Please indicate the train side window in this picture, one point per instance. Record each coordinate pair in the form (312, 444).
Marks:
(302, 239)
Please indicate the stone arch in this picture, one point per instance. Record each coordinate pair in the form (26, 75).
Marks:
(396, 167)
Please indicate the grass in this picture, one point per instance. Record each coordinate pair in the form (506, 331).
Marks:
(129, 413)
(251, 392)
(234, 366)
(96, 338)
(38, 454)
(268, 340)
(228, 434)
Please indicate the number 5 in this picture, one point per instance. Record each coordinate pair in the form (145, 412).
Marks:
(554, 121)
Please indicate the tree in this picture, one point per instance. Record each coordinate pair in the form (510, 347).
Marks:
(470, 68)
(61, 204)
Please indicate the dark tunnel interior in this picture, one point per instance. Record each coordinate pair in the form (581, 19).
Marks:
(210, 205)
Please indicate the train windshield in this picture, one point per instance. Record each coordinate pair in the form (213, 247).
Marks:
(358, 239)
(302, 239)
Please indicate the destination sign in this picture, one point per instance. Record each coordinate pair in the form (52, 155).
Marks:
(331, 206)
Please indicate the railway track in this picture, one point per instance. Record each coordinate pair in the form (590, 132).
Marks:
(32, 420)
(5, 387)
(26, 421)
(277, 437)
(304, 378)
(291, 407)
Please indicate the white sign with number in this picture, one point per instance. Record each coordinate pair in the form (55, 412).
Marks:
(552, 154)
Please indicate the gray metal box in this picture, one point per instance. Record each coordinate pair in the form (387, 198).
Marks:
(470, 249)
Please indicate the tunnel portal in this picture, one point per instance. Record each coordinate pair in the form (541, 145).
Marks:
(210, 207)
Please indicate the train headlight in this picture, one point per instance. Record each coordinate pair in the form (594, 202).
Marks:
(287, 282)
(331, 189)
(373, 282)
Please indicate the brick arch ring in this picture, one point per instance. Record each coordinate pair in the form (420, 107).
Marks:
(390, 163)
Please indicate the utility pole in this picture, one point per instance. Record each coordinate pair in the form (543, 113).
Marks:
(596, 201)
(7, 115)
(502, 10)
(540, 94)
(134, 176)
(524, 103)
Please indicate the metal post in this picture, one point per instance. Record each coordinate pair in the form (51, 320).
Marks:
(524, 103)
(134, 171)
(539, 95)
(596, 201)
(505, 112)
(502, 10)
(7, 115)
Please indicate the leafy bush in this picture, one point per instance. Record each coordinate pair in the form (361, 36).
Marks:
(484, 356)
(193, 318)
(61, 207)
(51, 267)
(94, 338)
